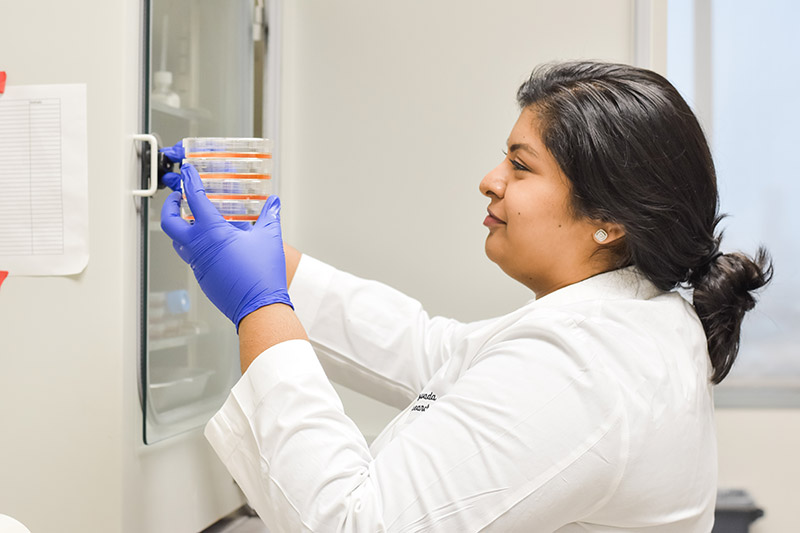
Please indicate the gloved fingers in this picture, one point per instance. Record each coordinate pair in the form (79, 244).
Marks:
(171, 222)
(271, 212)
(242, 225)
(172, 180)
(174, 153)
(183, 252)
(202, 208)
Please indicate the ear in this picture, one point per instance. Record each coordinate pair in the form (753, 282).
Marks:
(613, 232)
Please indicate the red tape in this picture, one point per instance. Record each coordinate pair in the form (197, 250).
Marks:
(3, 276)
(2, 81)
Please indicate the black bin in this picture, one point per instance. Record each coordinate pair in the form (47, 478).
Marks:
(735, 511)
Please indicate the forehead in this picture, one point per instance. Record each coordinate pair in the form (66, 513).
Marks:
(527, 131)
(526, 137)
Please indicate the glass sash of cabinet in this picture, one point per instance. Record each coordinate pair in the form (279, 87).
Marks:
(199, 81)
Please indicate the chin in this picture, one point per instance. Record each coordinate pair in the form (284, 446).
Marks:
(494, 254)
(489, 251)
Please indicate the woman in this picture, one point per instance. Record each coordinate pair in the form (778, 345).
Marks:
(588, 409)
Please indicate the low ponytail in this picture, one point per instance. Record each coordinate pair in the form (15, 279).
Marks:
(635, 154)
(723, 293)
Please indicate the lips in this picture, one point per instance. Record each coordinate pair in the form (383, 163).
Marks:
(491, 220)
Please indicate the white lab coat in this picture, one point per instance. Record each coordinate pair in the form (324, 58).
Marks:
(588, 410)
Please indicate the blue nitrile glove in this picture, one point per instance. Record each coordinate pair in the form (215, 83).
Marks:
(239, 269)
(175, 154)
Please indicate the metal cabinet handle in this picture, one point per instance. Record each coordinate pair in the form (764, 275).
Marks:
(153, 164)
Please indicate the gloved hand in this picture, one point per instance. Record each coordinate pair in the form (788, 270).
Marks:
(175, 154)
(240, 270)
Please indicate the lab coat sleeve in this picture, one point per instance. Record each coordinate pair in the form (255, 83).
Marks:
(370, 337)
(533, 425)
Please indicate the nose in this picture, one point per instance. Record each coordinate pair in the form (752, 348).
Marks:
(494, 183)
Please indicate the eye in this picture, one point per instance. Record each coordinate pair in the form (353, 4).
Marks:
(517, 165)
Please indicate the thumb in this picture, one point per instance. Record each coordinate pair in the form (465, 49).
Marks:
(202, 208)
(171, 222)
(172, 180)
(271, 212)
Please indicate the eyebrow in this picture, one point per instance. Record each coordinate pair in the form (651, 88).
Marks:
(522, 146)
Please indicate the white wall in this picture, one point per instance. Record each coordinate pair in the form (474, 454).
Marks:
(60, 349)
(758, 451)
(392, 112)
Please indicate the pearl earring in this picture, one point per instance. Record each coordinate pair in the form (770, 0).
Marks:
(600, 235)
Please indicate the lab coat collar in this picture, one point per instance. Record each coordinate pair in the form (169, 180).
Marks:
(621, 284)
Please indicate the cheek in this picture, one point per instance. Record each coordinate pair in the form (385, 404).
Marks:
(535, 217)
(543, 228)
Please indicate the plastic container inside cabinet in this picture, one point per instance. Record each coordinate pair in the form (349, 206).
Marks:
(227, 147)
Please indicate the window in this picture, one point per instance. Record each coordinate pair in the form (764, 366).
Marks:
(737, 62)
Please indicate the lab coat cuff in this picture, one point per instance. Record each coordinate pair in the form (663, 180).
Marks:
(309, 285)
(283, 362)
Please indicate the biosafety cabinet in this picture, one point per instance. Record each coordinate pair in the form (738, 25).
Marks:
(108, 376)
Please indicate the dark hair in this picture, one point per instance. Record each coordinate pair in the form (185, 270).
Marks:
(636, 155)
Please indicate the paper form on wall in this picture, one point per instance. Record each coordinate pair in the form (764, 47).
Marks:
(44, 206)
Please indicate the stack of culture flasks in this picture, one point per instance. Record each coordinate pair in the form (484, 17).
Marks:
(236, 174)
